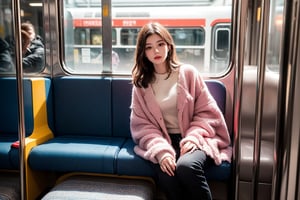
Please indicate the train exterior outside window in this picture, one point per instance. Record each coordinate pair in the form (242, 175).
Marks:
(194, 32)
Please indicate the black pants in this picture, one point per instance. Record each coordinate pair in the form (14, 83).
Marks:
(189, 181)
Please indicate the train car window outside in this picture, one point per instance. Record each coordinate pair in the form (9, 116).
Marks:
(191, 31)
(34, 57)
(114, 37)
(222, 40)
(188, 36)
(275, 36)
(221, 46)
(128, 36)
(32, 37)
(6, 31)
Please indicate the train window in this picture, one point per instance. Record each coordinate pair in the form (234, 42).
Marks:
(275, 36)
(128, 36)
(221, 45)
(222, 40)
(191, 31)
(32, 37)
(6, 31)
(34, 58)
(188, 36)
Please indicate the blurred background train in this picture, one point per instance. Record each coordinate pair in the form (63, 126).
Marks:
(195, 31)
(250, 47)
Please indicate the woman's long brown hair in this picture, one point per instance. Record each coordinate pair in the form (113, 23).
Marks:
(143, 69)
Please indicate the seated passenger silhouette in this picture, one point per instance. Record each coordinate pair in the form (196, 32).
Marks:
(33, 53)
(6, 63)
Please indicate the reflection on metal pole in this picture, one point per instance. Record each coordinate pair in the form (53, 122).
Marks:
(264, 27)
(240, 25)
(19, 77)
(289, 127)
(106, 33)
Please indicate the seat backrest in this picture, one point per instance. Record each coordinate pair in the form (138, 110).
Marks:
(218, 91)
(121, 99)
(82, 106)
(9, 106)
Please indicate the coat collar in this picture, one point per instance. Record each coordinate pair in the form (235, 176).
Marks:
(182, 100)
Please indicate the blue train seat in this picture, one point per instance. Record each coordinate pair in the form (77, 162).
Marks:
(9, 157)
(82, 128)
(89, 119)
(91, 128)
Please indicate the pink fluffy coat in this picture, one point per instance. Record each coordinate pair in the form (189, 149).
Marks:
(200, 120)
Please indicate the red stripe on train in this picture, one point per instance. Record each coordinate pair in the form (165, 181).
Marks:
(217, 21)
(140, 22)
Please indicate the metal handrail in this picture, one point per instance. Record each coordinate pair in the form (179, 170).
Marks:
(239, 25)
(19, 76)
(107, 34)
(287, 180)
(263, 39)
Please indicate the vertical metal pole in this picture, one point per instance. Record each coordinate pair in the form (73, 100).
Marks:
(107, 35)
(19, 77)
(264, 27)
(239, 24)
(289, 127)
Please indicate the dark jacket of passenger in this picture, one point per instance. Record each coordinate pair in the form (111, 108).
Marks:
(6, 63)
(34, 58)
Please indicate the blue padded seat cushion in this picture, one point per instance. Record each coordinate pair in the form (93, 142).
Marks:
(6, 161)
(77, 153)
(128, 163)
(218, 172)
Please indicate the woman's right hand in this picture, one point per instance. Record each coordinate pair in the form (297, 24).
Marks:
(168, 165)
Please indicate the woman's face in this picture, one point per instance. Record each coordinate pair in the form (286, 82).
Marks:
(31, 33)
(156, 50)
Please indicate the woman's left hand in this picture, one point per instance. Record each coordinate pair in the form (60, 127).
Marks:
(188, 147)
(168, 165)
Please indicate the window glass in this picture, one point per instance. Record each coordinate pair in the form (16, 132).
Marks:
(128, 36)
(220, 40)
(6, 31)
(192, 32)
(188, 36)
(275, 35)
(32, 33)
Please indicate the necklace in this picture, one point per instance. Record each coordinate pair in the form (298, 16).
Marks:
(163, 76)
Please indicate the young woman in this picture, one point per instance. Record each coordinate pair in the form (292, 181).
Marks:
(175, 122)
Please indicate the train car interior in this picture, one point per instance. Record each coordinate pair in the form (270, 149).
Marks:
(65, 122)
